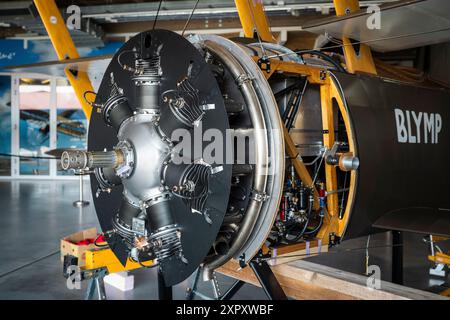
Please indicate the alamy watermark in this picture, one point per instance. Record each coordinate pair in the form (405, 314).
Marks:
(374, 277)
(73, 21)
(374, 20)
(74, 278)
(213, 146)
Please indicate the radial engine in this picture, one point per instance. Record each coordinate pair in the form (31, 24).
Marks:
(187, 154)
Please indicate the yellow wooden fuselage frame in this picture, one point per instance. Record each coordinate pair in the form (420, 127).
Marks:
(252, 14)
(329, 92)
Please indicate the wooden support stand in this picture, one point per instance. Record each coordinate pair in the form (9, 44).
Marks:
(306, 280)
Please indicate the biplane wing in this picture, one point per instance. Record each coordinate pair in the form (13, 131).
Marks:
(424, 220)
(403, 25)
(94, 66)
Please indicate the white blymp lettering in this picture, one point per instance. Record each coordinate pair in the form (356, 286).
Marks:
(417, 121)
(428, 126)
(422, 128)
(402, 134)
(438, 126)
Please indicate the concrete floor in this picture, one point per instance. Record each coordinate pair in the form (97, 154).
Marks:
(35, 215)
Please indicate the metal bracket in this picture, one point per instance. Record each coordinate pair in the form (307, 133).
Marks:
(208, 106)
(264, 64)
(263, 273)
(267, 279)
(96, 283)
(438, 270)
(265, 276)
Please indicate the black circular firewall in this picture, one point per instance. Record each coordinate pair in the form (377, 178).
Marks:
(178, 59)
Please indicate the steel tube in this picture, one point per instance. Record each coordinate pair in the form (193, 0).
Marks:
(261, 153)
(81, 160)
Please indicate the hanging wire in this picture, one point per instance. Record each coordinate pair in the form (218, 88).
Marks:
(157, 14)
(91, 103)
(190, 17)
(367, 255)
(343, 196)
(318, 169)
(26, 157)
(154, 265)
(331, 252)
(257, 34)
(357, 42)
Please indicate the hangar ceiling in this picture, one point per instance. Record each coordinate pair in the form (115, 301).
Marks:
(120, 19)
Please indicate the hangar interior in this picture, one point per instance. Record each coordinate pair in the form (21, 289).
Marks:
(353, 193)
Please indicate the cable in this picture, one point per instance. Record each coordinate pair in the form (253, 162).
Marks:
(359, 42)
(289, 104)
(29, 264)
(317, 171)
(326, 58)
(343, 196)
(367, 255)
(190, 17)
(316, 228)
(338, 251)
(315, 160)
(141, 264)
(100, 245)
(332, 39)
(290, 120)
(157, 14)
(124, 66)
(257, 34)
(288, 89)
(424, 239)
(91, 103)
(298, 236)
(26, 157)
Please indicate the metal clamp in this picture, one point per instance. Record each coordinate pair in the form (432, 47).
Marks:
(243, 78)
(259, 196)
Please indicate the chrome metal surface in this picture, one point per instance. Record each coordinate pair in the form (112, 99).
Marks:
(269, 144)
(149, 153)
(348, 163)
(254, 207)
